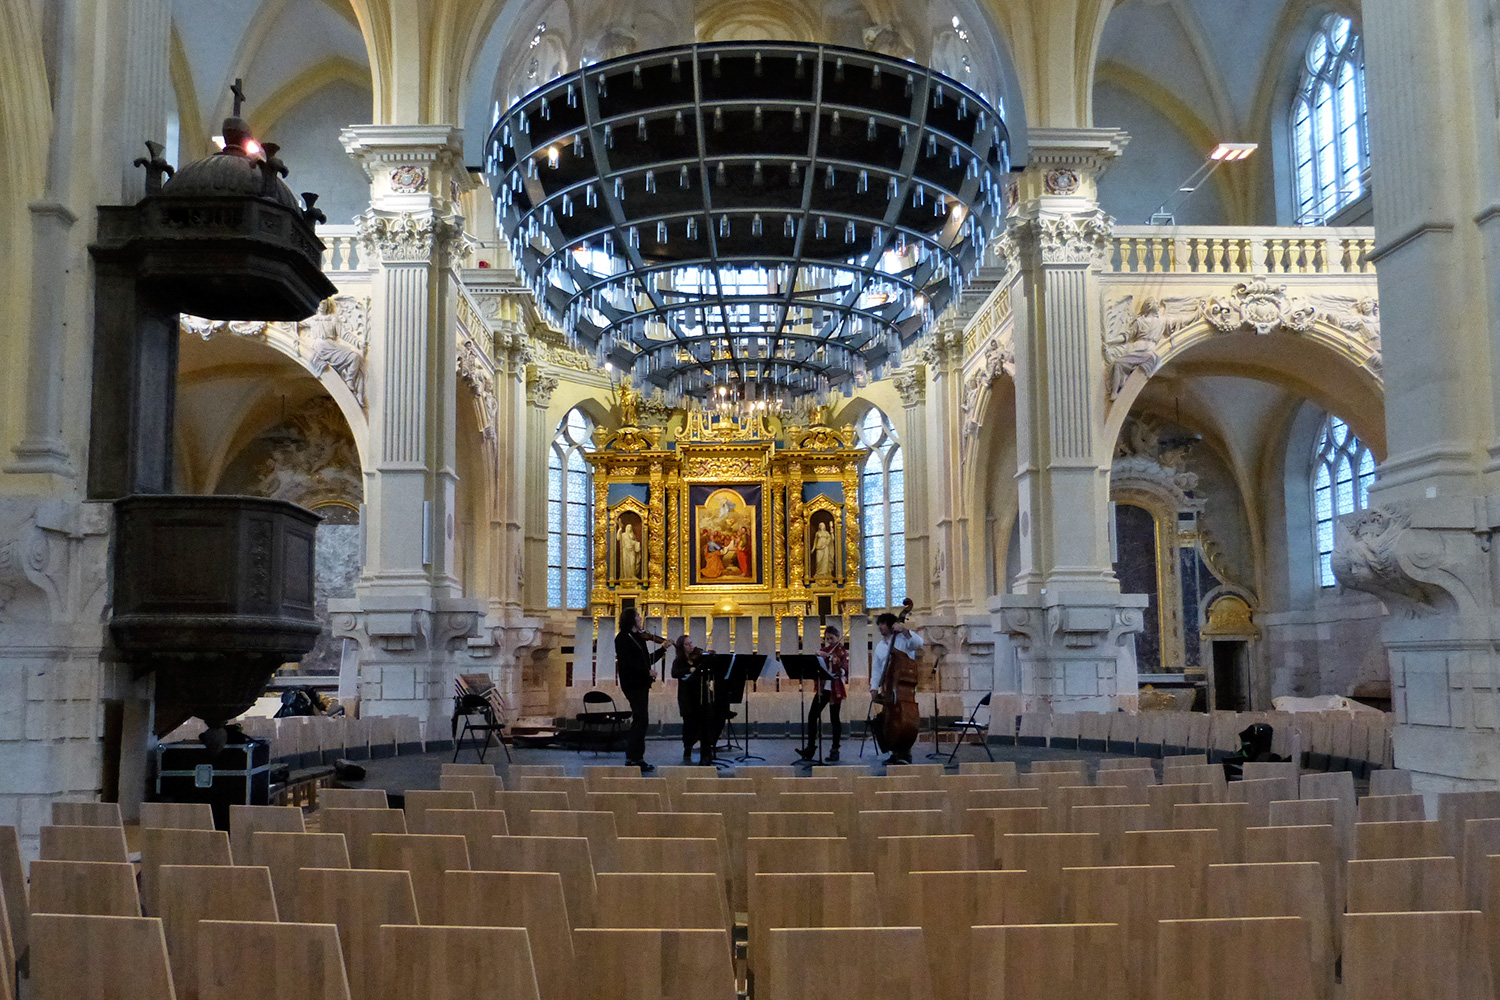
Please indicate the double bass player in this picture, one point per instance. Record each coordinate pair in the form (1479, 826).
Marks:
(894, 635)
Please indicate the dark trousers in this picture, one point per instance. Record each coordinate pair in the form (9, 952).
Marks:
(814, 716)
(640, 718)
(690, 703)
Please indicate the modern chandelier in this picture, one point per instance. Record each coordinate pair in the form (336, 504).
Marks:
(767, 219)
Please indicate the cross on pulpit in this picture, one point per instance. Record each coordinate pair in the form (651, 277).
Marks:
(238, 90)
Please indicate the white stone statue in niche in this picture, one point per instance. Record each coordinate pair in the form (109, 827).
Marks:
(630, 553)
(334, 348)
(822, 552)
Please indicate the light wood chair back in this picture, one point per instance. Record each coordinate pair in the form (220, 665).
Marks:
(1228, 818)
(358, 901)
(567, 856)
(286, 854)
(518, 806)
(875, 823)
(1192, 851)
(533, 900)
(476, 826)
(1044, 856)
(455, 963)
(1135, 898)
(988, 826)
(703, 855)
(482, 787)
(127, 958)
(1256, 770)
(947, 905)
(1390, 781)
(574, 788)
(84, 888)
(249, 960)
(1400, 839)
(1128, 778)
(1258, 794)
(1392, 809)
(1282, 844)
(358, 826)
(1404, 885)
(467, 770)
(765, 855)
(846, 963)
(426, 857)
(1481, 839)
(518, 771)
(1416, 956)
(596, 826)
(1164, 798)
(84, 843)
(793, 824)
(1125, 764)
(1454, 809)
(1243, 958)
(1111, 823)
(1048, 782)
(13, 888)
(709, 783)
(662, 901)
(736, 808)
(843, 805)
(1337, 785)
(923, 799)
(897, 857)
(808, 900)
(189, 894)
(1291, 889)
(1006, 768)
(1318, 812)
(1074, 767)
(626, 805)
(177, 816)
(86, 814)
(352, 798)
(1046, 962)
(245, 820)
(1195, 774)
(171, 846)
(593, 772)
(635, 964)
(419, 800)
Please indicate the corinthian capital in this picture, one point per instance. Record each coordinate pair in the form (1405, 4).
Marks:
(1074, 239)
(410, 237)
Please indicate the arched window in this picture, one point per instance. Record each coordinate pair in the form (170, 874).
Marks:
(1330, 141)
(570, 494)
(882, 497)
(1343, 472)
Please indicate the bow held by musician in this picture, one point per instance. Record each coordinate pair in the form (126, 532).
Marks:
(831, 693)
(893, 683)
(633, 663)
(702, 718)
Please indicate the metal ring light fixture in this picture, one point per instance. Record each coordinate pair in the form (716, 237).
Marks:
(768, 216)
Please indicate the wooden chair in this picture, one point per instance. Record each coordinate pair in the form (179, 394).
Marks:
(246, 820)
(793, 824)
(248, 960)
(476, 826)
(188, 894)
(1048, 782)
(638, 964)
(482, 787)
(797, 854)
(426, 857)
(453, 963)
(1481, 839)
(286, 854)
(419, 800)
(843, 805)
(1402, 839)
(1257, 770)
(867, 785)
(593, 772)
(352, 798)
(1390, 781)
(86, 814)
(518, 771)
(807, 900)
(1258, 794)
(1163, 799)
(358, 826)
(1006, 768)
(1403, 885)
(177, 816)
(1457, 808)
(1074, 767)
(1044, 856)
(574, 788)
(988, 826)
(567, 856)
(1283, 844)
(1195, 774)
(1111, 823)
(1330, 785)
(84, 888)
(127, 958)
(1229, 818)
(893, 823)
(1318, 812)
(518, 806)
(846, 963)
(467, 770)
(1125, 764)
(1135, 898)
(1244, 958)
(703, 855)
(168, 846)
(947, 905)
(661, 901)
(637, 783)
(1392, 809)
(358, 901)
(897, 857)
(923, 799)
(1416, 956)
(597, 827)
(710, 783)
(84, 843)
(533, 900)
(1046, 962)
(1291, 889)
(627, 804)
(735, 807)
(13, 889)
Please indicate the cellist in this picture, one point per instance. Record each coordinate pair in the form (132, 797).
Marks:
(893, 634)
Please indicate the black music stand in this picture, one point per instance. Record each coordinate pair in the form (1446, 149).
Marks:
(747, 667)
(718, 666)
(807, 667)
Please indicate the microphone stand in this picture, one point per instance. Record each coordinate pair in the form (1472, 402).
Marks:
(937, 671)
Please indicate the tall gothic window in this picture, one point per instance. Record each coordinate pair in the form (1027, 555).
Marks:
(882, 497)
(570, 495)
(1330, 141)
(1343, 472)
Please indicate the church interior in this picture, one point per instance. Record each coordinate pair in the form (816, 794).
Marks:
(434, 358)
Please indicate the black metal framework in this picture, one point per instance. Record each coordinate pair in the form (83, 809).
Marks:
(768, 216)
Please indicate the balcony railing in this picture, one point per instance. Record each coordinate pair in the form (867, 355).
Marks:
(1248, 250)
(343, 253)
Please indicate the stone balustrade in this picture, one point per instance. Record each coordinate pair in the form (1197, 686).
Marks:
(1247, 250)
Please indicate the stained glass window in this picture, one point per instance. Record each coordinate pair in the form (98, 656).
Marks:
(1330, 140)
(570, 495)
(882, 496)
(1343, 472)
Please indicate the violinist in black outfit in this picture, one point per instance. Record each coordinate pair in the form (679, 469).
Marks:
(633, 667)
(701, 720)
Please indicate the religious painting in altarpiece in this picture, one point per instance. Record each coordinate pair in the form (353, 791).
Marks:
(725, 531)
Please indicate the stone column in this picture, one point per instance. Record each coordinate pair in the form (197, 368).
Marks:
(1425, 547)
(408, 612)
(911, 385)
(943, 485)
(1068, 618)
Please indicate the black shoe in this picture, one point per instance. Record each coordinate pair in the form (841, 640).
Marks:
(687, 756)
(645, 767)
(806, 753)
(833, 755)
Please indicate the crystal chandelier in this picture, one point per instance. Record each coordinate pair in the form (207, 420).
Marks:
(769, 219)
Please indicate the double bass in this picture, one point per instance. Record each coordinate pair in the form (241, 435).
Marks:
(899, 716)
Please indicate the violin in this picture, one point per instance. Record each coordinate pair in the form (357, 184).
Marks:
(653, 637)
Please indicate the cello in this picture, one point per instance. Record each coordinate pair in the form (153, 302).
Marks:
(899, 716)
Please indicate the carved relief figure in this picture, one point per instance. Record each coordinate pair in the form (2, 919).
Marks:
(332, 352)
(822, 552)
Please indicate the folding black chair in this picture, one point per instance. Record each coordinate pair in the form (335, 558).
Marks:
(485, 706)
(973, 726)
(601, 726)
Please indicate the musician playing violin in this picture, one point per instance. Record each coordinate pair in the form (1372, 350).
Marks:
(701, 718)
(893, 635)
(831, 692)
(633, 665)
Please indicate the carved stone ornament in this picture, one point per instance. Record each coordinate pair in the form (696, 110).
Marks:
(476, 370)
(539, 388)
(1074, 239)
(999, 356)
(1379, 552)
(408, 238)
(911, 383)
(1061, 180)
(409, 178)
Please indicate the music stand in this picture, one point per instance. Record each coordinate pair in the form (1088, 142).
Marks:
(807, 667)
(746, 667)
(717, 666)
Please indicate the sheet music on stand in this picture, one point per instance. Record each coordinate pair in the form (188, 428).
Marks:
(807, 667)
(747, 667)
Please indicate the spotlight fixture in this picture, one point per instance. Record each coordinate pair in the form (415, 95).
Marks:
(1224, 152)
(690, 285)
